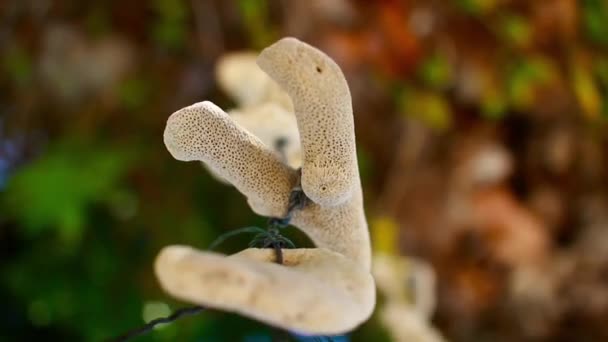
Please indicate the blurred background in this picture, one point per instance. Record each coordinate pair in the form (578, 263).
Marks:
(481, 133)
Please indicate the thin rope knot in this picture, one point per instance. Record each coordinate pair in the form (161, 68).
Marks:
(273, 238)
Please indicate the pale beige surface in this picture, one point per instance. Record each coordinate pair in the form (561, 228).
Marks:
(405, 325)
(262, 107)
(408, 286)
(332, 281)
(316, 291)
(240, 77)
(270, 123)
(406, 280)
(205, 132)
(323, 108)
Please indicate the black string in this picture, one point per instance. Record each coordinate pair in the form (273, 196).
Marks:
(297, 201)
(179, 313)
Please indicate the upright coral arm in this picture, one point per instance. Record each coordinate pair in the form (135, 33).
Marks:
(330, 174)
(323, 108)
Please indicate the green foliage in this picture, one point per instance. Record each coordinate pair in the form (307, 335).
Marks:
(134, 92)
(170, 29)
(436, 71)
(523, 77)
(365, 161)
(98, 21)
(255, 19)
(493, 104)
(476, 7)
(515, 30)
(62, 288)
(595, 20)
(17, 64)
(430, 107)
(601, 72)
(53, 192)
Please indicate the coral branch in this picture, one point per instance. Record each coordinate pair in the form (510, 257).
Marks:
(204, 132)
(342, 228)
(316, 291)
(325, 290)
(323, 109)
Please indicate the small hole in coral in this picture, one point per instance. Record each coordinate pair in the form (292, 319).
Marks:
(323, 188)
(319, 70)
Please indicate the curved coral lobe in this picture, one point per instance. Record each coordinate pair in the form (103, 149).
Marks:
(323, 108)
(326, 290)
(205, 132)
(315, 291)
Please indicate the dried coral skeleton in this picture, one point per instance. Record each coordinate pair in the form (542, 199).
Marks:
(263, 108)
(324, 290)
(408, 285)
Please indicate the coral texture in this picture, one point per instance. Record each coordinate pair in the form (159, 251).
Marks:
(315, 291)
(325, 290)
(263, 108)
(323, 109)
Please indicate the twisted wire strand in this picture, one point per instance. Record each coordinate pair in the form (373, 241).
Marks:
(179, 313)
(297, 200)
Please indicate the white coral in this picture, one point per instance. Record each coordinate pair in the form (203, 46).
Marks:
(263, 108)
(240, 77)
(329, 289)
(315, 291)
(408, 284)
(323, 109)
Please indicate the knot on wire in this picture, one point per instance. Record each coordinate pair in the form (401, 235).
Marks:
(271, 237)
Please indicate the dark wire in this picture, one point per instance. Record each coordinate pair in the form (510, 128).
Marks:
(179, 313)
(297, 200)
